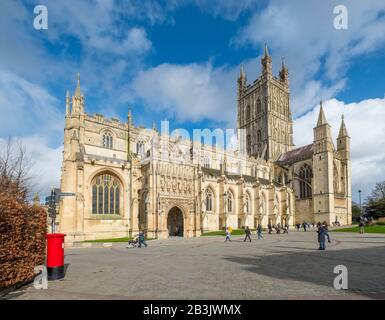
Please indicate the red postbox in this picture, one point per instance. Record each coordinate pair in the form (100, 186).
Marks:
(55, 256)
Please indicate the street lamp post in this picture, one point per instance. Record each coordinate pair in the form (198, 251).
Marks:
(52, 210)
(359, 193)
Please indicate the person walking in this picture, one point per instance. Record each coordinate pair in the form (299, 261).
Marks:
(321, 237)
(304, 226)
(142, 240)
(278, 228)
(325, 225)
(298, 225)
(259, 232)
(228, 235)
(286, 229)
(269, 228)
(247, 234)
(362, 226)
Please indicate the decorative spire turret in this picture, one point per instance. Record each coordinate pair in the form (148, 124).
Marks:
(266, 62)
(266, 51)
(284, 73)
(343, 132)
(67, 103)
(78, 92)
(322, 134)
(78, 99)
(242, 81)
(321, 116)
(129, 117)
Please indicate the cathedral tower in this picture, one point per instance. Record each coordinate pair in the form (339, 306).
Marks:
(323, 183)
(343, 151)
(264, 112)
(72, 207)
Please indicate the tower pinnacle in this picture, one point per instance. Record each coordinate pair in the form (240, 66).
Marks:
(321, 116)
(343, 132)
(78, 92)
(266, 51)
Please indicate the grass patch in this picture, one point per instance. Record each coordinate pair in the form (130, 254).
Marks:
(113, 240)
(374, 228)
(235, 232)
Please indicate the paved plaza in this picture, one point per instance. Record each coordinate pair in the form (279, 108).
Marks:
(285, 266)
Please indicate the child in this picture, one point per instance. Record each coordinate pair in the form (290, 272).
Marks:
(228, 234)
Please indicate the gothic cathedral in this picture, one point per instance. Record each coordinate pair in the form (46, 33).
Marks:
(125, 178)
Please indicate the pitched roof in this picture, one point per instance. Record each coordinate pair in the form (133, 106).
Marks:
(296, 155)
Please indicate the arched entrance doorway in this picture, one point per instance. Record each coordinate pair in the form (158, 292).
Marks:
(175, 225)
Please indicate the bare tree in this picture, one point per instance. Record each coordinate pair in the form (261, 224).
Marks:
(378, 192)
(15, 165)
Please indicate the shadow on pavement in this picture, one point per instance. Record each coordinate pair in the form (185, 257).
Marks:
(365, 266)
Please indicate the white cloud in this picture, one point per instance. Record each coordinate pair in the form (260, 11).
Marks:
(365, 125)
(26, 107)
(318, 55)
(229, 9)
(190, 92)
(29, 114)
(99, 25)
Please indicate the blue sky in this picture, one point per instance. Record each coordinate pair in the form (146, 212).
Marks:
(179, 60)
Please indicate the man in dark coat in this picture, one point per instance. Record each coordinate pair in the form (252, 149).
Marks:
(259, 232)
(247, 234)
(321, 237)
(141, 240)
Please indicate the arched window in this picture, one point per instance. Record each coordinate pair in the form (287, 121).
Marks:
(107, 140)
(106, 190)
(140, 149)
(248, 114)
(259, 106)
(288, 203)
(277, 208)
(305, 182)
(209, 200)
(259, 136)
(206, 162)
(230, 201)
(262, 204)
(248, 144)
(247, 203)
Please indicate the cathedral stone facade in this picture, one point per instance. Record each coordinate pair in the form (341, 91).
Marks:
(120, 179)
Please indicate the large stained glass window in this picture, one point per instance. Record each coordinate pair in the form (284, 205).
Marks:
(105, 194)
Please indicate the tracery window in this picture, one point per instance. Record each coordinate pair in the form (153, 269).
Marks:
(305, 174)
(248, 114)
(206, 162)
(259, 106)
(140, 149)
(247, 203)
(107, 140)
(230, 200)
(106, 191)
(209, 200)
(248, 143)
